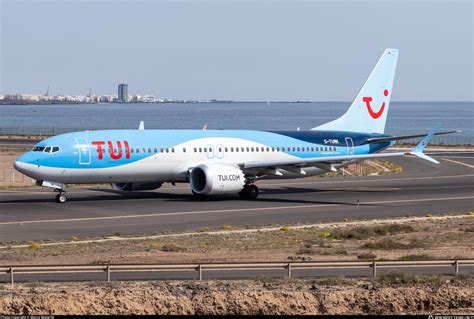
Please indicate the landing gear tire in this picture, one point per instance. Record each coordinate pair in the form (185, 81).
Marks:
(249, 192)
(61, 198)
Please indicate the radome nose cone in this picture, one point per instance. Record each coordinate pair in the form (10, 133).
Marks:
(19, 166)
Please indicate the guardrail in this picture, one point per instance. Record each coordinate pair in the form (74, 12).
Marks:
(200, 268)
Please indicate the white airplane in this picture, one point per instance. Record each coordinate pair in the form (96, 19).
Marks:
(218, 162)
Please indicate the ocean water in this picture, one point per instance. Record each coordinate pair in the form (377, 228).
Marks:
(403, 117)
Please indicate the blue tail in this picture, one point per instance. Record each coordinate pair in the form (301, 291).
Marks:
(368, 112)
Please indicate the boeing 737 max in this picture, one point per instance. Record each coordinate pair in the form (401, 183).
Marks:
(219, 161)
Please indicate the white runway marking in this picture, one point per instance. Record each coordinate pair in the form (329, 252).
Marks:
(68, 220)
(457, 162)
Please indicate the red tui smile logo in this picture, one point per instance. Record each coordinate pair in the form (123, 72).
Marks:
(368, 99)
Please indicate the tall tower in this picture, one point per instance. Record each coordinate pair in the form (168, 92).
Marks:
(123, 93)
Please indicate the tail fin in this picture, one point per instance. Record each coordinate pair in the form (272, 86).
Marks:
(368, 112)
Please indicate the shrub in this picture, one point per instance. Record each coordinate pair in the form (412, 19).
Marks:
(171, 247)
(429, 215)
(285, 228)
(230, 227)
(35, 246)
(416, 257)
(398, 277)
(204, 229)
(302, 251)
(366, 232)
(325, 234)
(391, 244)
(333, 281)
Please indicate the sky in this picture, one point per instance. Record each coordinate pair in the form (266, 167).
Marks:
(245, 50)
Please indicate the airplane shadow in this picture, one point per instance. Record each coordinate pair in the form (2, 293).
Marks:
(117, 195)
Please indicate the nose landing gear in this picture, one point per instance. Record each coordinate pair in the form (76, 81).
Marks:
(61, 197)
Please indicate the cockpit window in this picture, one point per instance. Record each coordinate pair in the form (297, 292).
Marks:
(47, 149)
(38, 148)
(55, 149)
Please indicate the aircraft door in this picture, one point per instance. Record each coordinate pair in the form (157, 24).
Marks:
(84, 151)
(350, 146)
(210, 151)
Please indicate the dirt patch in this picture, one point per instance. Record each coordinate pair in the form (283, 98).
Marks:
(427, 238)
(238, 297)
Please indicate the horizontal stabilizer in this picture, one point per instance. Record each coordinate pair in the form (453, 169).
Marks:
(418, 150)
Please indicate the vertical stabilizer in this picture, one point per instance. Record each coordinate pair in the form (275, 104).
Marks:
(368, 112)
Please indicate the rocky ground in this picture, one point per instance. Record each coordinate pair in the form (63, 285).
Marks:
(261, 296)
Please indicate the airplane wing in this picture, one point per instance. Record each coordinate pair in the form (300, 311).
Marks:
(328, 160)
(404, 137)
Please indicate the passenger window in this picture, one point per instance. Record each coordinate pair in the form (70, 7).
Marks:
(242, 149)
(312, 148)
(248, 149)
(144, 150)
(172, 150)
(137, 150)
(278, 149)
(195, 150)
(268, 149)
(131, 150)
(156, 150)
(167, 150)
(161, 150)
(205, 150)
(225, 149)
(256, 149)
(298, 149)
(252, 149)
(200, 150)
(184, 149)
(231, 149)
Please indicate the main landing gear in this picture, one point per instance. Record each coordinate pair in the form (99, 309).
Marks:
(250, 191)
(61, 196)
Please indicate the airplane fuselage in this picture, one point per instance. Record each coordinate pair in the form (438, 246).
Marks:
(126, 156)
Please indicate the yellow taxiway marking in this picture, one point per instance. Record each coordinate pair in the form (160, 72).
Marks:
(68, 220)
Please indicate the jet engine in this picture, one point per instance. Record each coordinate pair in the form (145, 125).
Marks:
(216, 179)
(136, 186)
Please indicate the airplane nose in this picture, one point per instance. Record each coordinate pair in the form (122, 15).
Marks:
(20, 166)
(25, 168)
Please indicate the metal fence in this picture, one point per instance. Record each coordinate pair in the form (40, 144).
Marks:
(201, 268)
(12, 177)
(463, 138)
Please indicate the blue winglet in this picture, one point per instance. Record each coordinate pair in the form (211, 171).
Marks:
(418, 150)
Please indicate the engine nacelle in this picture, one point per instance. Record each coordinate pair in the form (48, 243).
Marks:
(136, 186)
(216, 179)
